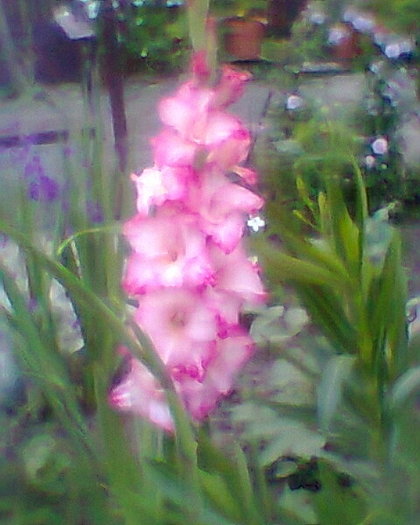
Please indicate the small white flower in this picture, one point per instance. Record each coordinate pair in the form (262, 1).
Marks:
(256, 223)
(294, 102)
(377, 67)
(317, 18)
(350, 14)
(370, 161)
(337, 34)
(393, 50)
(380, 146)
(363, 23)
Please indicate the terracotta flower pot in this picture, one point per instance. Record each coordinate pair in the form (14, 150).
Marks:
(243, 38)
(345, 43)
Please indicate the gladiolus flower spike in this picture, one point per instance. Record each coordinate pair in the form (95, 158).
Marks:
(188, 268)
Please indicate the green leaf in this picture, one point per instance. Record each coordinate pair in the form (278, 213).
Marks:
(387, 314)
(334, 503)
(282, 268)
(298, 505)
(277, 324)
(218, 492)
(234, 473)
(289, 382)
(330, 389)
(176, 490)
(292, 439)
(405, 386)
(327, 310)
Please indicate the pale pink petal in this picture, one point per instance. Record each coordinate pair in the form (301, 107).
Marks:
(180, 324)
(222, 207)
(150, 189)
(234, 197)
(225, 233)
(236, 274)
(200, 398)
(221, 126)
(231, 86)
(156, 186)
(170, 250)
(249, 175)
(170, 149)
(140, 273)
(228, 307)
(188, 107)
(217, 197)
(150, 235)
(232, 353)
(140, 393)
(231, 151)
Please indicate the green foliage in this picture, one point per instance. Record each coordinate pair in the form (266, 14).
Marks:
(309, 41)
(154, 37)
(346, 269)
(401, 15)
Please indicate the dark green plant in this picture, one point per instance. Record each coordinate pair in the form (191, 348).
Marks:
(154, 37)
(310, 40)
(346, 269)
(400, 15)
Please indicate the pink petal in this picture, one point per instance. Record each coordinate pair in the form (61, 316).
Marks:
(170, 250)
(150, 189)
(250, 176)
(236, 274)
(232, 151)
(200, 398)
(170, 149)
(240, 199)
(221, 126)
(155, 186)
(180, 324)
(231, 86)
(225, 233)
(140, 393)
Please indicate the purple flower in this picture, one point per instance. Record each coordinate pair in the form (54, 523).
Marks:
(94, 212)
(43, 189)
(33, 169)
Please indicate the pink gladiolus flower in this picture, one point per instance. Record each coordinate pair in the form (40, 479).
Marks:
(188, 269)
(169, 250)
(181, 326)
(139, 392)
(236, 275)
(230, 355)
(154, 186)
(170, 149)
(223, 206)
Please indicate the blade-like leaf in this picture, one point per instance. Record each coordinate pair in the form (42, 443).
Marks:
(331, 386)
(405, 386)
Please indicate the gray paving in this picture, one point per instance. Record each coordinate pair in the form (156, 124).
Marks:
(63, 108)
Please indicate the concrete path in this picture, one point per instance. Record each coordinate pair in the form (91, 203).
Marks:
(31, 127)
(58, 108)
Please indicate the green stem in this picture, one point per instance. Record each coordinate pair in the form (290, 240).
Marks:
(197, 12)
